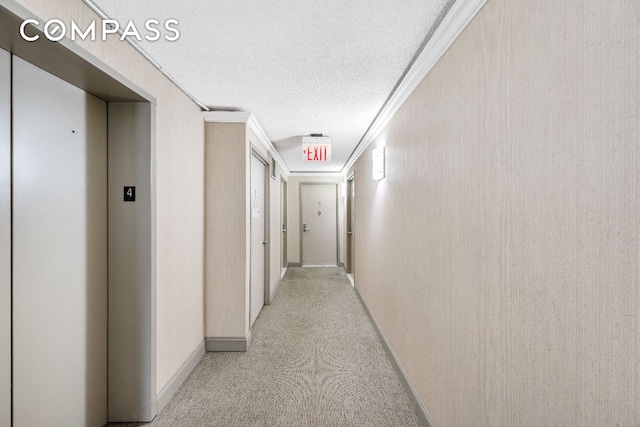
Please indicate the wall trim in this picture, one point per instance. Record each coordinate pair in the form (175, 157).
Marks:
(98, 11)
(226, 116)
(264, 139)
(228, 343)
(453, 23)
(317, 174)
(272, 295)
(294, 264)
(180, 376)
(254, 125)
(416, 402)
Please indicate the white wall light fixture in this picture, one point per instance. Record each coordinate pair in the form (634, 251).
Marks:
(378, 164)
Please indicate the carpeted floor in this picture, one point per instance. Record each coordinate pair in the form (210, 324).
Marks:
(314, 360)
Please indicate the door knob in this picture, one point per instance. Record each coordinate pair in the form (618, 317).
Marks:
(264, 242)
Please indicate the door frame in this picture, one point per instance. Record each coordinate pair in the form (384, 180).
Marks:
(300, 197)
(267, 174)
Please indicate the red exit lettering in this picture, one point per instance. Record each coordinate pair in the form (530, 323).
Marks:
(316, 153)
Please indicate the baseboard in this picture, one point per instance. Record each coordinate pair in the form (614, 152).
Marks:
(417, 403)
(228, 343)
(294, 264)
(179, 377)
(274, 291)
(352, 280)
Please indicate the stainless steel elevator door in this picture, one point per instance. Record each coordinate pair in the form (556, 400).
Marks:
(59, 251)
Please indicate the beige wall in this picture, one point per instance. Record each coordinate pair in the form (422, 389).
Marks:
(228, 234)
(293, 209)
(179, 191)
(275, 231)
(501, 253)
(227, 230)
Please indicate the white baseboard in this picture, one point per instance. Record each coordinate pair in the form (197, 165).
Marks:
(274, 291)
(418, 404)
(179, 377)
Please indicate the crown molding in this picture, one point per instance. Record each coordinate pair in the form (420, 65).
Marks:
(317, 174)
(226, 116)
(264, 139)
(98, 11)
(454, 22)
(254, 125)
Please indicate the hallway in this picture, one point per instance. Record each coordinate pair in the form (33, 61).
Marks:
(481, 160)
(314, 360)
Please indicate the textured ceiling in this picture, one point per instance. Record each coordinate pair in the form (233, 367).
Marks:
(300, 67)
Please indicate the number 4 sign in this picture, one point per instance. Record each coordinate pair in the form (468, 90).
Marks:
(129, 194)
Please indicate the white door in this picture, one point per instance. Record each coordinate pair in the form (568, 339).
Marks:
(319, 224)
(258, 236)
(5, 238)
(59, 252)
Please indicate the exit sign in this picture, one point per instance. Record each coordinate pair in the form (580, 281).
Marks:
(316, 152)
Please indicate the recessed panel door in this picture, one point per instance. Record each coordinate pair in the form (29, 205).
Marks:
(319, 224)
(258, 236)
(59, 252)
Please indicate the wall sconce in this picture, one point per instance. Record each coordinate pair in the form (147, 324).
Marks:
(378, 164)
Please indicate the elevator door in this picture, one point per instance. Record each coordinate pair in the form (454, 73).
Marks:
(59, 252)
(5, 238)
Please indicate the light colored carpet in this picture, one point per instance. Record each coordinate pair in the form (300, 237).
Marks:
(314, 360)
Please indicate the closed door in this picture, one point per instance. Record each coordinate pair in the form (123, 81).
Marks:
(319, 224)
(258, 236)
(283, 224)
(59, 252)
(351, 215)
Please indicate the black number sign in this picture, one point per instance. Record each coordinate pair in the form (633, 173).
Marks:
(129, 194)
